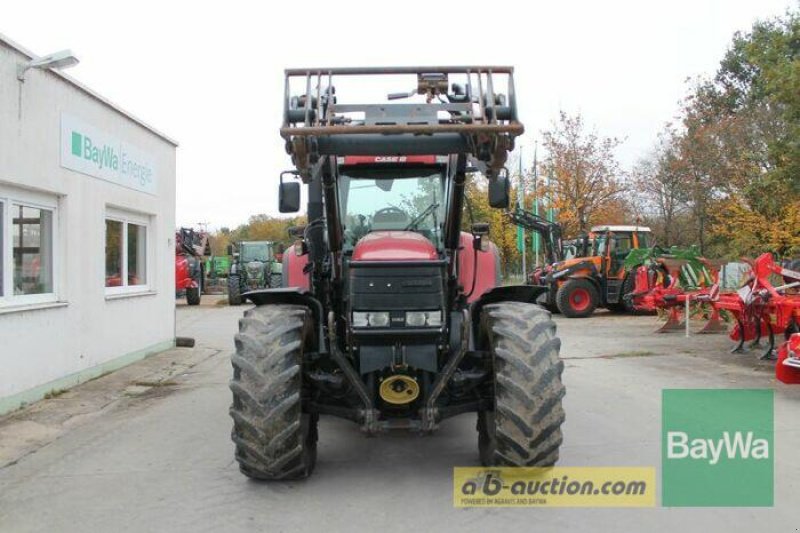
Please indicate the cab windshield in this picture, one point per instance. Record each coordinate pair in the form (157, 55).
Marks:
(600, 242)
(384, 199)
(255, 252)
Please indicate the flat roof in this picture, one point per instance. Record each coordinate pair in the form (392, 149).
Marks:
(72, 81)
(612, 227)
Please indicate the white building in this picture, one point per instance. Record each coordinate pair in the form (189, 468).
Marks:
(87, 228)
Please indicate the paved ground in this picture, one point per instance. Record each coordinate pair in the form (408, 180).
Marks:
(148, 448)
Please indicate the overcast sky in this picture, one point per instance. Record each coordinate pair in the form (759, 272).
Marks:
(212, 77)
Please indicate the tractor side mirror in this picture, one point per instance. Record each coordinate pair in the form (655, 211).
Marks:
(288, 194)
(296, 232)
(480, 228)
(230, 249)
(479, 231)
(499, 188)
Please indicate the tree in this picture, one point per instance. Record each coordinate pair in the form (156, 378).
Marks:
(739, 149)
(585, 177)
(660, 185)
(258, 228)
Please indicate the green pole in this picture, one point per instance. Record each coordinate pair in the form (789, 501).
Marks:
(536, 236)
(521, 205)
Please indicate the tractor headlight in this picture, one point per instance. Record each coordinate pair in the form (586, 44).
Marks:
(360, 320)
(375, 319)
(379, 319)
(423, 318)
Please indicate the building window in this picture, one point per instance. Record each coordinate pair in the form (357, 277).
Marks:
(27, 247)
(113, 253)
(137, 254)
(2, 249)
(126, 252)
(32, 231)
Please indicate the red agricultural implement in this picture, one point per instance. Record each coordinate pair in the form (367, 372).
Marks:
(190, 247)
(760, 309)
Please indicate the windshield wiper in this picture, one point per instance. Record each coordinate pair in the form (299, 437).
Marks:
(419, 218)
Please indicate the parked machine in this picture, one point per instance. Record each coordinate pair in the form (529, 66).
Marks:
(190, 248)
(766, 306)
(253, 266)
(393, 317)
(579, 285)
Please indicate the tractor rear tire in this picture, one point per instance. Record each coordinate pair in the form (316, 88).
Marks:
(275, 439)
(234, 291)
(193, 296)
(577, 298)
(525, 427)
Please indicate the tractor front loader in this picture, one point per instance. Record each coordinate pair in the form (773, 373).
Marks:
(390, 315)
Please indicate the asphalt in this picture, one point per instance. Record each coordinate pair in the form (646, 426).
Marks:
(155, 454)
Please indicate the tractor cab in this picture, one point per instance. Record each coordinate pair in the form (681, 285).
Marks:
(612, 244)
(390, 197)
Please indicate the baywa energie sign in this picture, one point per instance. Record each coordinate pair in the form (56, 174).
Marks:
(91, 151)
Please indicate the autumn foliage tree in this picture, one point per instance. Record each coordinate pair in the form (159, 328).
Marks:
(734, 159)
(259, 227)
(585, 179)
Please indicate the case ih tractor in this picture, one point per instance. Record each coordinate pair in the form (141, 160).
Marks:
(190, 247)
(579, 285)
(254, 266)
(392, 316)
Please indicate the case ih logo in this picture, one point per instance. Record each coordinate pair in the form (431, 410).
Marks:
(367, 160)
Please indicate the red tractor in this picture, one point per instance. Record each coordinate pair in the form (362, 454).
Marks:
(190, 248)
(391, 316)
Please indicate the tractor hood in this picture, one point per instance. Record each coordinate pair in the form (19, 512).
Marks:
(394, 246)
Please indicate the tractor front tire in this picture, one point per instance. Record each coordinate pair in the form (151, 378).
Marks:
(234, 291)
(275, 439)
(193, 296)
(524, 429)
(548, 299)
(577, 298)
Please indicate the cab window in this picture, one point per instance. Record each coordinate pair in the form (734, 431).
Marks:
(623, 243)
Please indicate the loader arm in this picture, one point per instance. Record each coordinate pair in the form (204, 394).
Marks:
(550, 232)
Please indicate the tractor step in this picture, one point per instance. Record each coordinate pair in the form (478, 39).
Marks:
(400, 423)
(613, 290)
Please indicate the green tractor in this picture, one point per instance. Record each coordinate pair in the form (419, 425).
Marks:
(254, 266)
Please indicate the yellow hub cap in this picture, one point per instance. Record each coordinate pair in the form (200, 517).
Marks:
(399, 389)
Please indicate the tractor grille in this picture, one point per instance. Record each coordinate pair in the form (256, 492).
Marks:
(394, 286)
